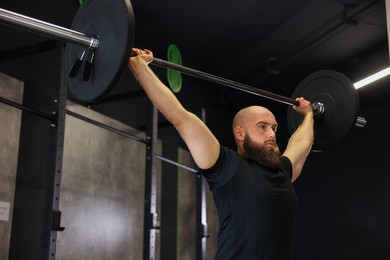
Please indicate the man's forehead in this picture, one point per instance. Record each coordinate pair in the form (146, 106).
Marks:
(264, 117)
(265, 121)
(262, 114)
(253, 114)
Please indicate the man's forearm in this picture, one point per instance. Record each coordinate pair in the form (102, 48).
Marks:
(158, 93)
(304, 135)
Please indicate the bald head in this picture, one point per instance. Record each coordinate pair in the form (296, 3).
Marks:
(246, 123)
(249, 115)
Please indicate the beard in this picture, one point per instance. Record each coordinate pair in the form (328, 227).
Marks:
(269, 157)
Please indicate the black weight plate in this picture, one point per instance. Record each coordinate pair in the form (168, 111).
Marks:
(341, 103)
(112, 21)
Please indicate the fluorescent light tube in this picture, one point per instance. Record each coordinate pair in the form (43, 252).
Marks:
(372, 78)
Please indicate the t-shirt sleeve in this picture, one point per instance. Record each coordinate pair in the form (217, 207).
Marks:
(286, 166)
(223, 169)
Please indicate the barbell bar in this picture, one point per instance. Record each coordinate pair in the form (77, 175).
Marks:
(48, 29)
(100, 40)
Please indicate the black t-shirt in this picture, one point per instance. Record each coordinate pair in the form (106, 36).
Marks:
(256, 208)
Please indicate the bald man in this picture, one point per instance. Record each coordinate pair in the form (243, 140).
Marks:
(252, 187)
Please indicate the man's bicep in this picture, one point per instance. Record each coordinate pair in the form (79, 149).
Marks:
(201, 142)
(297, 158)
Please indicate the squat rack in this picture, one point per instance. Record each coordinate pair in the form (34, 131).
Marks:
(23, 223)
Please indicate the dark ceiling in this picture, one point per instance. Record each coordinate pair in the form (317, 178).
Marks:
(258, 42)
(269, 44)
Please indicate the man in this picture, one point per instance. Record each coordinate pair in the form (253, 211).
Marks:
(252, 188)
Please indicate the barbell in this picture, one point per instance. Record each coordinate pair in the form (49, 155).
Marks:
(98, 49)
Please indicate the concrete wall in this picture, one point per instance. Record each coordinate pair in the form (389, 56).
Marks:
(186, 239)
(186, 199)
(10, 120)
(102, 190)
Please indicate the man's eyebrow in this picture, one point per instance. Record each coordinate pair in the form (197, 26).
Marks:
(266, 123)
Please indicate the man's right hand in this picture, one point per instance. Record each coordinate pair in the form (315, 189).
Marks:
(144, 55)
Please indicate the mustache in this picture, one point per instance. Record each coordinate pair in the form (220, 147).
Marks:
(272, 142)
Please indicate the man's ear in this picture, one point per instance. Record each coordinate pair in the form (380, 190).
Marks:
(239, 133)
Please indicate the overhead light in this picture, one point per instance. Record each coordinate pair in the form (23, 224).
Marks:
(372, 78)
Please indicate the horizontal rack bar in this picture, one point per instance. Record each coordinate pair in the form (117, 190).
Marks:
(27, 109)
(130, 136)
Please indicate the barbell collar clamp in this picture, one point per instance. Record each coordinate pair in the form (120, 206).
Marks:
(360, 121)
(318, 108)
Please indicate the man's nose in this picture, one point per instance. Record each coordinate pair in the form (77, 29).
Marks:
(271, 133)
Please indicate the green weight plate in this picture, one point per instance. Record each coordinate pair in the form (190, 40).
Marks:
(174, 77)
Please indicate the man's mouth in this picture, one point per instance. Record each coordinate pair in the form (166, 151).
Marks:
(270, 143)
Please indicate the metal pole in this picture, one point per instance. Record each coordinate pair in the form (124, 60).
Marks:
(27, 109)
(226, 82)
(52, 215)
(188, 168)
(107, 127)
(48, 29)
(201, 211)
(151, 221)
